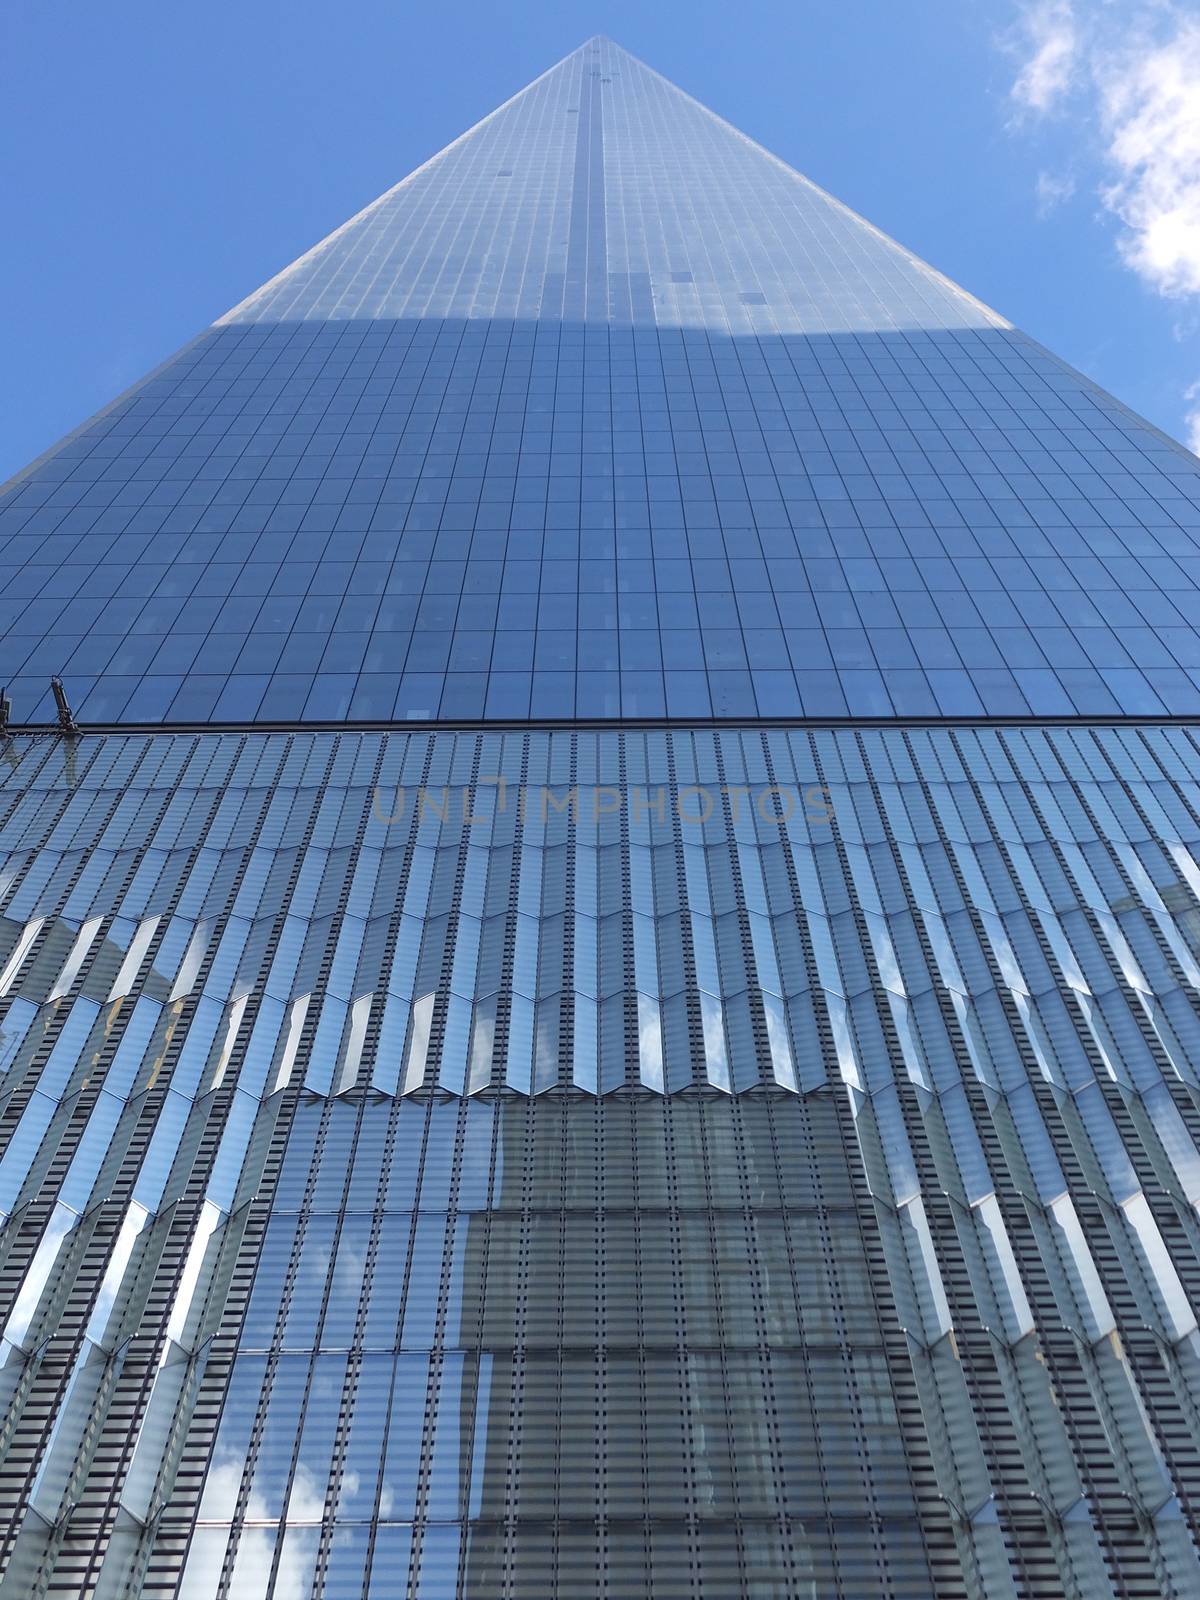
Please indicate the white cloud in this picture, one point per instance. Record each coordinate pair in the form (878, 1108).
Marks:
(1052, 190)
(1150, 110)
(1137, 68)
(1132, 68)
(1191, 418)
(1047, 39)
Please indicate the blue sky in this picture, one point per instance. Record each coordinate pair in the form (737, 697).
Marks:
(159, 162)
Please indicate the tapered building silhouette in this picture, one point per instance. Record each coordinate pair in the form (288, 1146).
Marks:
(606, 999)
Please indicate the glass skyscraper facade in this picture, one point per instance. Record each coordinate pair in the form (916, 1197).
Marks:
(606, 1000)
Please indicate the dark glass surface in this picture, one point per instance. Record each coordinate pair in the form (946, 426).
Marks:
(604, 412)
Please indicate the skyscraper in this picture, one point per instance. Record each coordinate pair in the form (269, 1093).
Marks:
(605, 1000)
